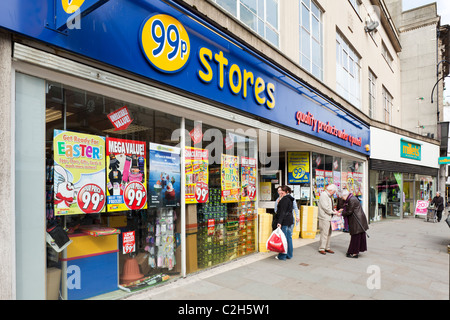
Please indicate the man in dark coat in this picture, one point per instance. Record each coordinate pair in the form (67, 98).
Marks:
(438, 201)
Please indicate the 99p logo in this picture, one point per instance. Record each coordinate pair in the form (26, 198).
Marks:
(165, 43)
(70, 6)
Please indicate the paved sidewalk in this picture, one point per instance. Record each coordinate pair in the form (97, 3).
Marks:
(406, 259)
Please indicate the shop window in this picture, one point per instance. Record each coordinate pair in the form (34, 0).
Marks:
(386, 195)
(222, 226)
(344, 173)
(121, 228)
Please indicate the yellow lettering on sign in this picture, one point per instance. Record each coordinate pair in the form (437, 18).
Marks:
(238, 80)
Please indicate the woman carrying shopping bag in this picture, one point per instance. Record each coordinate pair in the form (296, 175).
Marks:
(357, 222)
(285, 219)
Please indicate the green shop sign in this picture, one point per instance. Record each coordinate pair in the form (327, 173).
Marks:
(410, 150)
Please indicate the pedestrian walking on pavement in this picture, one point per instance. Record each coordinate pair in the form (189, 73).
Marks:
(285, 219)
(295, 211)
(438, 202)
(326, 211)
(357, 224)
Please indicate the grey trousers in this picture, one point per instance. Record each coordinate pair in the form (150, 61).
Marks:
(325, 234)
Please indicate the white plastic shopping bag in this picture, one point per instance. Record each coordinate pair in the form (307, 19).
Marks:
(277, 241)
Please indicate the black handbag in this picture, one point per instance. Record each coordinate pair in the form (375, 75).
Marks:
(448, 220)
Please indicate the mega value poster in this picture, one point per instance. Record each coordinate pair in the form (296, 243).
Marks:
(127, 171)
(298, 167)
(229, 173)
(196, 168)
(164, 179)
(248, 179)
(79, 173)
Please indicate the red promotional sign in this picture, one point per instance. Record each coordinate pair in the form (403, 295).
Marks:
(229, 141)
(128, 242)
(135, 195)
(91, 198)
(196, 134)
(120, 118)
(201, 192)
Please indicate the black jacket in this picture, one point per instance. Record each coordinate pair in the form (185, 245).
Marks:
(355, 213)
(438, 202)
(284, 214)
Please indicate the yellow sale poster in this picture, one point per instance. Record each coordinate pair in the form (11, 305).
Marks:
(79, 173)
(230, 178)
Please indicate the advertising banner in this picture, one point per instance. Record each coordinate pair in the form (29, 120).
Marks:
(248, 179)
(79, 173)
(126, 162)
(298, 167)
(197, 175)
(165, 174)
(421, 208)
(230, 178)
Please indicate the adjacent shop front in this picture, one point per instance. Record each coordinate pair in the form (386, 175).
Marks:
(158, 138)
(401, 173)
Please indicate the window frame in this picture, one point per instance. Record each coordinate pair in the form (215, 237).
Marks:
(311, 66)
(345, 55)
(387, 105)
(256, 17)
(372, 93)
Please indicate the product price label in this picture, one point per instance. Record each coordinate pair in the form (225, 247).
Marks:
(129, 242)
(201, 192)
(91, 198)
(135, 196)
(251, 190)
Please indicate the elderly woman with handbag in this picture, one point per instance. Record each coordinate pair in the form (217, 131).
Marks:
(357, 222)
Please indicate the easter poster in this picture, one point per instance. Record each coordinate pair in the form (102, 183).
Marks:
(126, 172)
(79, 173)
(164, 183)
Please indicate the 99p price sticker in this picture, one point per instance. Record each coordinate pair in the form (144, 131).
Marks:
(251, 191)
(135, 195)
(201, 192)
(91, 198)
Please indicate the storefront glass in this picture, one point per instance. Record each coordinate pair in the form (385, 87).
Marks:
(108, 189)
(394, 194)
(344, 173)
(222, 225)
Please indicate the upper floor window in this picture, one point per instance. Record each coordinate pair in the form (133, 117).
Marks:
(372, 93)
(259, 15)
(355, 4)
(387, 106)
(348, 71)
(311, 38)
(387, 55)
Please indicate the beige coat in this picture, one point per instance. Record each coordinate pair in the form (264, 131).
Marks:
(325, 206)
